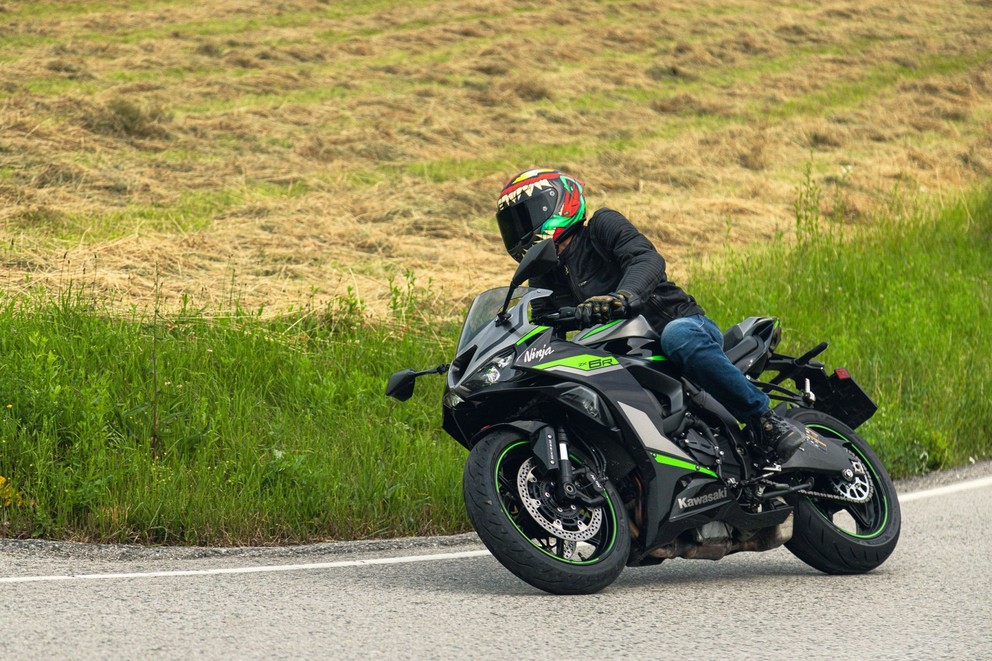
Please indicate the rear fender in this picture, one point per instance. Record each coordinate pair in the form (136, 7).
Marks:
(837, 395)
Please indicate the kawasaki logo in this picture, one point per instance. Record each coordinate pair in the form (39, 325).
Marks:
(719, 494)
(535, 353)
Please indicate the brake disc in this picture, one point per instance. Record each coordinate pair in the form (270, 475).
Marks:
(571, 522)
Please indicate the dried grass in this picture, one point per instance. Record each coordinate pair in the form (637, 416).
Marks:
(333, 147)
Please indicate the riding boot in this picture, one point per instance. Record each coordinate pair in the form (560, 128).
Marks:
(778, 435)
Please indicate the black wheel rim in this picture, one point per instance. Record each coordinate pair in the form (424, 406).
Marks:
(585, 552)
(857, 520)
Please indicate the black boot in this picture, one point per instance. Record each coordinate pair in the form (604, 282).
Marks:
(778, 435)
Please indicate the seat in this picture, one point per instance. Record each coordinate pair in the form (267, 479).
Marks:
(742, 349)
(733, 335)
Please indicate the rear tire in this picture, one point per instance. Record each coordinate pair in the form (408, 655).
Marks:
(845, 538)
(593, 546)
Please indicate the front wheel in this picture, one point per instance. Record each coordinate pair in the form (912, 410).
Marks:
(557, 545)
(845, 527)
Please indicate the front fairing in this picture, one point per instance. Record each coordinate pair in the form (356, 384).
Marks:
(482, 338)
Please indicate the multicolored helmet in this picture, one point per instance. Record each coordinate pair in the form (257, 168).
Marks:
(537, 205)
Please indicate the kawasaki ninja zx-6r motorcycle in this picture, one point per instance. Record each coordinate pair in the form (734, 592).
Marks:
(594, 453)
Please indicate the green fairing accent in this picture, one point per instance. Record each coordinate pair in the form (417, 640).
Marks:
(581, 363)
(539, 329)
(597, 331)
(885, 501)
(613, 527)
(678, 463)
(658, 358)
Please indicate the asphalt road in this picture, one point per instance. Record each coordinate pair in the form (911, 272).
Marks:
(447, 598)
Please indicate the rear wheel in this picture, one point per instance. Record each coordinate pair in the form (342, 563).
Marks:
(846, 527)
(557, 545)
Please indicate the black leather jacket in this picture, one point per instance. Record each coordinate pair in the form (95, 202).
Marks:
(606, 255)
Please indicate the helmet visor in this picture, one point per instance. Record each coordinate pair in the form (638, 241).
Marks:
(518, 222)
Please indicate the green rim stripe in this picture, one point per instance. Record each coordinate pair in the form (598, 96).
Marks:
(678, 463)
(885, 501)
(604, 327)
(539, 329)
(613, 527)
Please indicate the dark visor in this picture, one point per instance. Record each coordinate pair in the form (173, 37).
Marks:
(518, 222)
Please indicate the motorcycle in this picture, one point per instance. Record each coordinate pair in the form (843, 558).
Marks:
(591, 454)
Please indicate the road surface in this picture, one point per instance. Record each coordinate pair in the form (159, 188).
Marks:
(447, 598)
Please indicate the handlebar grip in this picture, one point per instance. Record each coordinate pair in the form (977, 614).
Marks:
(556, 318)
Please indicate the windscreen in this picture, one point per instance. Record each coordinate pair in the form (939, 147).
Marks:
(483, 310)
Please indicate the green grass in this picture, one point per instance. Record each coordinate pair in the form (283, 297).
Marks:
(198, 428)
(186, 429)
(905, 304)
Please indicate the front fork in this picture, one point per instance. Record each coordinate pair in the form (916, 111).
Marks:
(573, 484)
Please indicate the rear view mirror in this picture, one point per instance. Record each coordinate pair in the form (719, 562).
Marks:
(539, 260)
(401, 384)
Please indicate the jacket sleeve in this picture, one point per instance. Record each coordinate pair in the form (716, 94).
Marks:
(642, 267)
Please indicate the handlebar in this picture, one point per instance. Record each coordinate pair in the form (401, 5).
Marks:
(563, 319)
(564, 314)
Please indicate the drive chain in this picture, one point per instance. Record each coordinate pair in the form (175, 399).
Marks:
(843, 499)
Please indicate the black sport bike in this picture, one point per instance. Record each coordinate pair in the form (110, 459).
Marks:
(594, 453)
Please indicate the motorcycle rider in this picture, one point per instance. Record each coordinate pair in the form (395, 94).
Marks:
(609, 270)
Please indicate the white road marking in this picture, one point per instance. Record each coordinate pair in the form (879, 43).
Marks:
(944, 491)
(903, 498)
(250, 570)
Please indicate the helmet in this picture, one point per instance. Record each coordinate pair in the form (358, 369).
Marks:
(536, 205)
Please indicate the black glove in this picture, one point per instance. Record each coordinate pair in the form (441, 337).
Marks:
(600, 309)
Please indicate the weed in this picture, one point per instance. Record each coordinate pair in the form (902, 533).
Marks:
(807, 210)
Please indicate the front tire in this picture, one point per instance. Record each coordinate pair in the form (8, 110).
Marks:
(511, 503)
(845, 537)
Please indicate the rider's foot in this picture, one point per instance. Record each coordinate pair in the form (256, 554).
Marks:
(778, 435)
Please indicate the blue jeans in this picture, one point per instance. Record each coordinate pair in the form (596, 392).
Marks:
(695, 345)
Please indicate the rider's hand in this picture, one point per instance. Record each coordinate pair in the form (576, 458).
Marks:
(600, 309)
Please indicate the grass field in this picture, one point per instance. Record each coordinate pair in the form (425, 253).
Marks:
(224, 224)
(312, 146)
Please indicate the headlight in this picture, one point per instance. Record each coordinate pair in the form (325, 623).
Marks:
(498, 369)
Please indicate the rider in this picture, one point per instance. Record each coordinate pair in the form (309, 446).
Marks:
(609, 270)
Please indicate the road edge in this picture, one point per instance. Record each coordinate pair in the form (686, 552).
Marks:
(131, 552)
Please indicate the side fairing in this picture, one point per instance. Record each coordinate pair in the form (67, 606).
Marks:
(638, 410)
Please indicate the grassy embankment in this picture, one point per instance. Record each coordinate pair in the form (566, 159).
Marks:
(244, 430)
